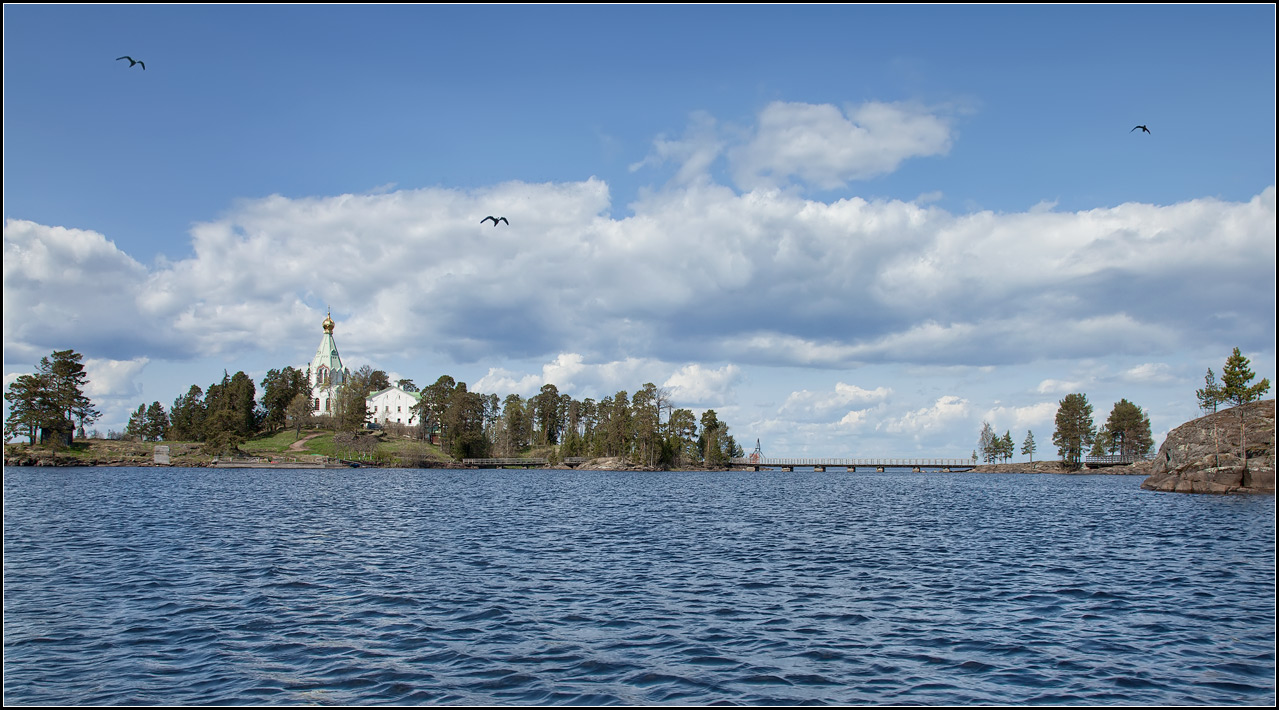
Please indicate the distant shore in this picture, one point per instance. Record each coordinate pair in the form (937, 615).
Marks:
(107, 453)
(1058, 467)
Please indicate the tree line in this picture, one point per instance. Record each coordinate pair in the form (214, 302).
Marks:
(643, 427)
(50, 405)
(1127, 431)
(1001, 448)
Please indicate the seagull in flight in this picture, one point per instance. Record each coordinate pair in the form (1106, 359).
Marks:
(495, 220)
(132, 61)
(1143, 128)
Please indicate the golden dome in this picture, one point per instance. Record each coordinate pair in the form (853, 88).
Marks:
(328, 323)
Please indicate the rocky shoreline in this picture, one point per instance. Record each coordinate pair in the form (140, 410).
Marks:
(1042, 467)
(1203, 455)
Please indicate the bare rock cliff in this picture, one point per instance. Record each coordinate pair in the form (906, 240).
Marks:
(1203, 455)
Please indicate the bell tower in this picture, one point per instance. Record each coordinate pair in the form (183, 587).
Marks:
(325, 371)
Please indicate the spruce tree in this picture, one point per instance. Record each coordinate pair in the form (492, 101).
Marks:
(1028, 446)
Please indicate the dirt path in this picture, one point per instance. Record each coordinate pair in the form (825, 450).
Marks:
(297, 445)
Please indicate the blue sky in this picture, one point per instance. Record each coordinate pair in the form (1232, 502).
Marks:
(850, 230)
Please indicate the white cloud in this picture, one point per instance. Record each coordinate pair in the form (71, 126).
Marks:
(503, 382)
(68, 285)
(1041, 416)
(826, 147)
(695, 384)
(1052, 386)
(694, 153)
(821, 406)
(562, 372)
(944, 412)
(113, 378)
(1150, 372)
(853, 420)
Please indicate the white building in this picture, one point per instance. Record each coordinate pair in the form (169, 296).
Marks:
(393, 405)
(325, 372)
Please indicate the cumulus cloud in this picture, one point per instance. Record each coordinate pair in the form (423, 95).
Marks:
(70, 285)
(820, 406)
(1020, 419)
(696, 384)
(853, 420)
(827, 147)
(944, 412)
(698, 274)
(113, 378)
(564, 372)
(502, 381)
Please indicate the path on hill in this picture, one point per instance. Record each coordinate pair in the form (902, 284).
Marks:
(297, 445)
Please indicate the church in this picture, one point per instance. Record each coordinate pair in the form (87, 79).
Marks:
(326, 374)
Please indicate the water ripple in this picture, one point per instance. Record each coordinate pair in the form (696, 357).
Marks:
(200, 586)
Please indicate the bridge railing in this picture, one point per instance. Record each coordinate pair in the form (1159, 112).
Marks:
(765, 461)
(1116, 460)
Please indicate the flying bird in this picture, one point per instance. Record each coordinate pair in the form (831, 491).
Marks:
(1143, 128)
(132, 61)
(495, 220)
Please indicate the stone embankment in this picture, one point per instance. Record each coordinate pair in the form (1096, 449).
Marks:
(1203, 455)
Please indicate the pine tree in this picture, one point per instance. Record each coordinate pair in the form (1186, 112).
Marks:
(137, 426)
(186, 418)
(1075, 429)
(1210, 397)
(1235, 389)
(157, 422)
(66, 380)
(1127, 430)
(31, 407)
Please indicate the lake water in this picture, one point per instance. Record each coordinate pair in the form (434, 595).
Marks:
(206, 586)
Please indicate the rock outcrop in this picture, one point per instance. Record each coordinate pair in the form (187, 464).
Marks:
(1202, 456)
(1026, 467)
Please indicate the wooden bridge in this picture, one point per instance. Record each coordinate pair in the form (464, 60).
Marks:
(879, 464)
(1106, 461)
(511, 462)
